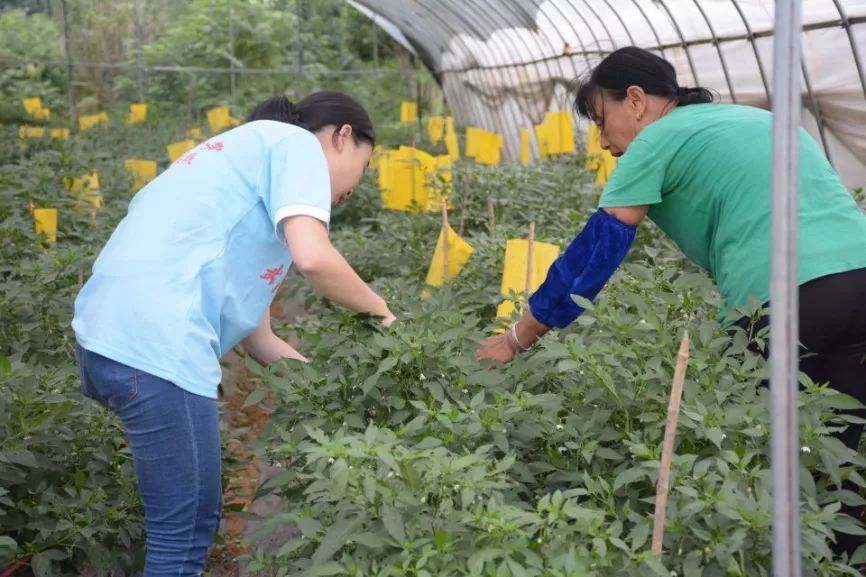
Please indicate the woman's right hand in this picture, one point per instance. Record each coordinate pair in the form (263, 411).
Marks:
(388, 319)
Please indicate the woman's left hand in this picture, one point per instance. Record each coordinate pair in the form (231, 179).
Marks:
(499, 348)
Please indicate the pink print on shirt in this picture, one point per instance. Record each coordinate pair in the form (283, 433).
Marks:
(207, 146)
(273, 275)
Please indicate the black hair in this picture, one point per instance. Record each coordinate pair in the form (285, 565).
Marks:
(633, 66)
(319, 109)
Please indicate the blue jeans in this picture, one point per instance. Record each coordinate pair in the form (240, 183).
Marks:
(175, 443)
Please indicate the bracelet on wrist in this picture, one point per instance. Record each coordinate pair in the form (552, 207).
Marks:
(516, 340)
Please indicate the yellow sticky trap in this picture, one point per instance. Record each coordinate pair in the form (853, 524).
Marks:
(60, 133)
(194, 133)
(514, 273)
(178, 149)
(605, 168)
(412, 180)
(45, 222)
(143, 171)
(83, 186)
(85, 189)
(598, 159)
(32, 105)
(560, 132)
(474, 135)
(451, 143)
(376, 156)
(593, 148)
(490, 148)
(88, 121)
(408, 112)
(525, 149)
(459, 252)
(220, 118)
(543, 138)
(137, 114)
(30, 132)
(435, 129)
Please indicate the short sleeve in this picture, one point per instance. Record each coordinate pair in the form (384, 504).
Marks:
(638, 177)
(299, 182)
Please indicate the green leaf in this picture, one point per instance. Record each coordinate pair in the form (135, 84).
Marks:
(859, 556)
(8, 549)
(582, 302)
(329, 568)
(848, 525)
(657, 567)
(21, 457)
(43, 562)
(692, 564)
(393, 522)
(255, 397)
(5, 366)
(567, 365)
(628, 476)
(290, 546)
(336, 537)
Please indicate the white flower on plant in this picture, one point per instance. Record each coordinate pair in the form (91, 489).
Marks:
(331, 460)
(562, 450)
(805, 450)
(456, 487)
(390, 474)
(423, 378)
(559, 427)
(465, 391)
(643, 321)
(423, 500)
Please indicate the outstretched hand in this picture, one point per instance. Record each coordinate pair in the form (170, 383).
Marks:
(499, 348)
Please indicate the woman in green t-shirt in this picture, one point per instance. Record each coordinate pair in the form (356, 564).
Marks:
(701, 171)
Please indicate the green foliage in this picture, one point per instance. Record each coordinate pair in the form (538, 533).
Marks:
(34, 38)
(403, 456)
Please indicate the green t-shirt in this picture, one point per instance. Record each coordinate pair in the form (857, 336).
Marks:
(705, 170)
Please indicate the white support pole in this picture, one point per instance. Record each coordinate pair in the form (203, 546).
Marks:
(784, 322)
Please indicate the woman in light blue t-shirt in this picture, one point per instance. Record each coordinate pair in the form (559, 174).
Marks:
(190, 273)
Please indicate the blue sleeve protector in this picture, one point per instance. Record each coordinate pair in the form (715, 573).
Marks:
(583, 269)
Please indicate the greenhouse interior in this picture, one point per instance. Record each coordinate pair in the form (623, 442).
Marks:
(432, 288)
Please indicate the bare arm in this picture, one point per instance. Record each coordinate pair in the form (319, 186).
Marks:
(266, 347)
(327, 270)
(631, 215)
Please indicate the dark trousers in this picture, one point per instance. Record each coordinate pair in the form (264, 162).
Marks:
(833, 342)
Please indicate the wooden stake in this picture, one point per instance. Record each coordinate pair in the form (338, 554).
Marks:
(464, 193)
(445, 240)
(663, 485)
(529, 263)
(491, 218)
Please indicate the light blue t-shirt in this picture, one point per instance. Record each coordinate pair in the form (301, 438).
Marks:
(193, 267)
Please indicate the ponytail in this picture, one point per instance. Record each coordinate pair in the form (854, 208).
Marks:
(318, 110)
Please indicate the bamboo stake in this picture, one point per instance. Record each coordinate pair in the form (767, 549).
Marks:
(464, 193)
(445, 240)
(491, 217)
(663, 485)
(529, 262)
